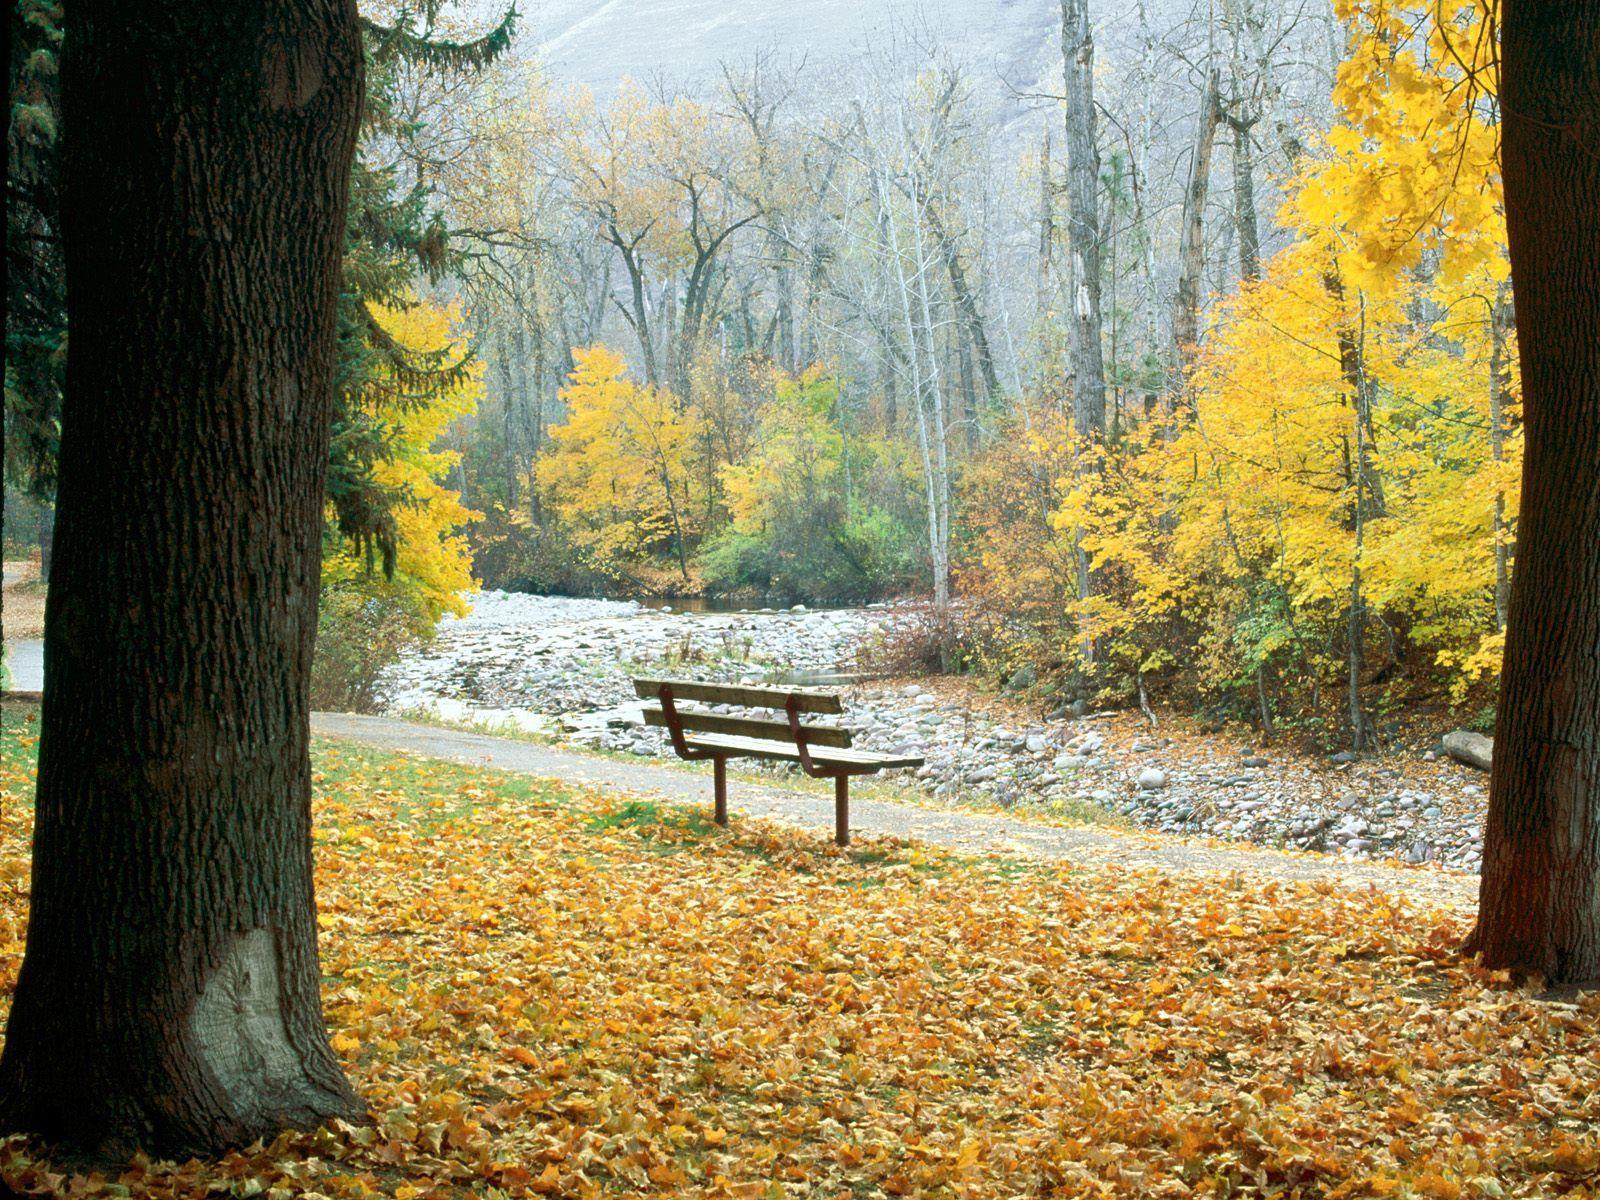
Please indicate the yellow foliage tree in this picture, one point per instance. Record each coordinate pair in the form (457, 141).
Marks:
(620, 469)
(799, 455)
(368, 618)
(1346, 485)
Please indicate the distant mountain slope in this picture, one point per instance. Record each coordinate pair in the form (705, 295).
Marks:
(597, 42)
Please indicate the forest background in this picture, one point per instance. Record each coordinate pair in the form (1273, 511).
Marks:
(1180, 371)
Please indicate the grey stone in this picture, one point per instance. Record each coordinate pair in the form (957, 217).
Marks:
(1470, 748)
(1022, 679)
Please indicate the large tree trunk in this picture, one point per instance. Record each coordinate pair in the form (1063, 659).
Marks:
(47, 535)
(169, 994)
(1539, 904)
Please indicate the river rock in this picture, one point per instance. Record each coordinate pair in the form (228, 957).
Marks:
(1152, 779)
(1470, 748)
(1023, 679)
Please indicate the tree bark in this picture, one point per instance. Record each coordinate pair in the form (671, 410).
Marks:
(1244, 197)
(1083, 239)
(47, 534)
(1366, 495)
(1500, 327)
(1539, 902)
(1083, 219)
(169, 993)
(1191, 242)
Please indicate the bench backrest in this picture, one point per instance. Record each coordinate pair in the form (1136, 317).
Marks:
(799, 700)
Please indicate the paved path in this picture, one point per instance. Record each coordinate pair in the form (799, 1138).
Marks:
(969, 832)
(25, 660)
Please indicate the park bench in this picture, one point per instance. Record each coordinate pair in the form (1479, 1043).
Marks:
(821, 750)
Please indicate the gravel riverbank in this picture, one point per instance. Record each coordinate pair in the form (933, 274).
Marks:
(563, 666)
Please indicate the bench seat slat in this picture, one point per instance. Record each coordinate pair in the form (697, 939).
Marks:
(744, 747)
(806, 699)
(704, 722)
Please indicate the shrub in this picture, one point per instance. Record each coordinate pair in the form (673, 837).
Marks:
(364, 625)
(923, 641)
(806, 557)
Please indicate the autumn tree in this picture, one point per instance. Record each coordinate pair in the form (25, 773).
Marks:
(619, 469)
(814, 511)
(396, 233)
(174, 1004)
(702, 159)
(1539, 905)
(538, 283)
(367, 617)
(606, 159)
(1339, 498)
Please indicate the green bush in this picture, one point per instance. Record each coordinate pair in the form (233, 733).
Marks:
(734, 562)
(809, 558)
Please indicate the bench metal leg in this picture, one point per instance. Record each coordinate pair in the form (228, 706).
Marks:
(841, 810)
(719, 771)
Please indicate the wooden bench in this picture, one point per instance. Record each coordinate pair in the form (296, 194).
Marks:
(821, 750)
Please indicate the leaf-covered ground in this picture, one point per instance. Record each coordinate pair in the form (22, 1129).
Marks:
(543, 992)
